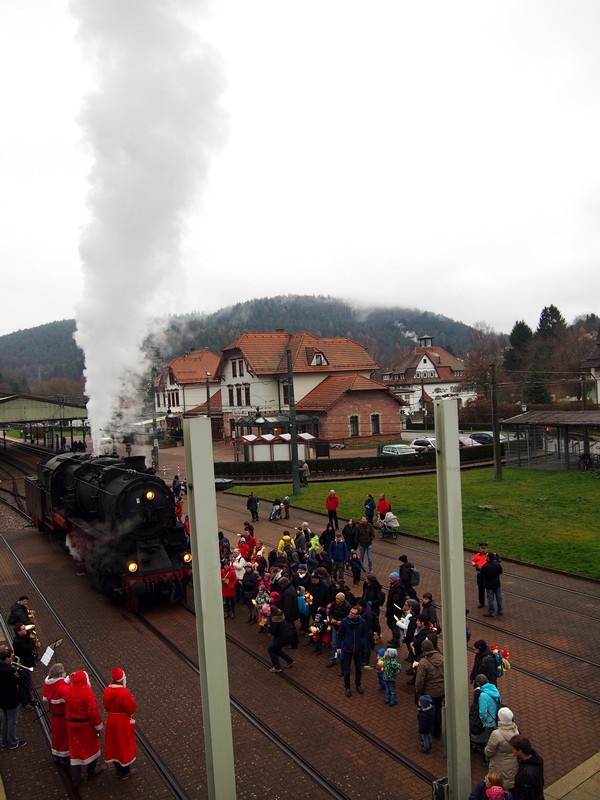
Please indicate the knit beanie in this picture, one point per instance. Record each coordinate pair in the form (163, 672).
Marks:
(505, 715)
(394, 576)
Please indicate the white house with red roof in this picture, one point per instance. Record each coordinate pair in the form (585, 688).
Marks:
(335, 397)
(427, 373)
(185, 385)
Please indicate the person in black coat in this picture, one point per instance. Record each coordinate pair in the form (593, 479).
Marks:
(484, 664)
(373, 594)
(9, 699)
(404, 568)
(490, 578)
(24, 649)
(319, 590)
(19, 611)
(529, 780)
(250, 590)
(393, 608)
(288, 603)
(327, 537)
(281, 635)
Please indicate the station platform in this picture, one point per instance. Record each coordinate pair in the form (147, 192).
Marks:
(582, 783)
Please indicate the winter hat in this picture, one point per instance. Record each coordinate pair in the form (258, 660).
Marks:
(394, 577)
(265, 607)
(425, 700)
(117, 675)
(393, 653)
(248, 564)
(381, 651)
(302, 566)
(318, 616)
(371, 578)
(495, 793)
(274, 597)
(340, 596)
(427, 646)
(505, 715)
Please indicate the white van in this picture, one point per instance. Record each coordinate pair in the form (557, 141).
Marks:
(398, 450)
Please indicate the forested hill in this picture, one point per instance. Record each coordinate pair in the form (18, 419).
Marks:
(382, 331)
(49, 351)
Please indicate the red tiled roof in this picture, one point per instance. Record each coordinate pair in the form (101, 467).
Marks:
(266, 353)
(216, 405)
(192, 367)
(327, 393)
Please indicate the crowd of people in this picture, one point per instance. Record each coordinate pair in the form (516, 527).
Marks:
(298, 588)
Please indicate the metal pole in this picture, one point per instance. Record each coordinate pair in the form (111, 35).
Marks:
(495, 425)
(154, 424)
(293, 427)
(210, 626)
(208, 395)
(453, 597)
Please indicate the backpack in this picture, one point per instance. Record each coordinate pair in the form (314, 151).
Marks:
(500, 660)
(414, 577)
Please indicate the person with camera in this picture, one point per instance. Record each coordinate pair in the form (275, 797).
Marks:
(9, 700)
(490, 578)
(24, 646)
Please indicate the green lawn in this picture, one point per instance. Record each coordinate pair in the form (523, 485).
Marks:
(546, 518)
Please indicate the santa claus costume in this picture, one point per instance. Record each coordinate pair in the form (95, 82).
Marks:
(84, 726)
(53, 695)
(119, 747)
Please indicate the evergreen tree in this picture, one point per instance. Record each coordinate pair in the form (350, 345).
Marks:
(552, 323)
(517, 355)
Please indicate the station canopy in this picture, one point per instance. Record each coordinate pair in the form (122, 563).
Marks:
(20, 409)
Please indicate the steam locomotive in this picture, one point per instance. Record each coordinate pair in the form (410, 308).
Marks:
(117, 522)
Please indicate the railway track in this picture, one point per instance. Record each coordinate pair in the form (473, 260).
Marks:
(163, 772)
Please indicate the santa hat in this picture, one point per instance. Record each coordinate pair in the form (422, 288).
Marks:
(80, 678)
(117, 675)
(495, 793)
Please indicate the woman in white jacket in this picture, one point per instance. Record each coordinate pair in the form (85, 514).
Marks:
(498, 751)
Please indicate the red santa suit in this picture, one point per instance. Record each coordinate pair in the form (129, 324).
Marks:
(119, 746)
(83, 719)
(53, 695)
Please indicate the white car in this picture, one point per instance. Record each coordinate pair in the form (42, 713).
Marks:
(398, 450)
(427, 443)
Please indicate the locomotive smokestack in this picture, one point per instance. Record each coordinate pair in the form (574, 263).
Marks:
(151, 125)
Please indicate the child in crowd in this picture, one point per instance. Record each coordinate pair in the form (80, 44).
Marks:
(303, 607)
(379, 667)
(262, 597)
(356, 566)
(264, 617)
(426, 716)
(317, 630)
(390, 671)
(274, 599)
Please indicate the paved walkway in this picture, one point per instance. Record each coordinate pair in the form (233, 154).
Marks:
(582, 783)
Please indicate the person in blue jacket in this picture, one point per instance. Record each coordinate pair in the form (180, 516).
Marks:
(338, 554)
(489, 703)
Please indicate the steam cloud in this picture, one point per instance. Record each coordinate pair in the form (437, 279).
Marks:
(152, 124)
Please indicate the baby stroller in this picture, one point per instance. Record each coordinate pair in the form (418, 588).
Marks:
(389, 526)
(275, 511)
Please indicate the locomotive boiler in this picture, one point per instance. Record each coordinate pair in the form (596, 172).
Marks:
(117, 522)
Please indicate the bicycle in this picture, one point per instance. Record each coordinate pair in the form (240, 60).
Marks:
(589, 461)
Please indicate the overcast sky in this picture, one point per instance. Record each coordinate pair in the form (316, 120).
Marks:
(435, 155)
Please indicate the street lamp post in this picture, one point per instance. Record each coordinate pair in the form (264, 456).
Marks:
(495, 425)
(208, 395)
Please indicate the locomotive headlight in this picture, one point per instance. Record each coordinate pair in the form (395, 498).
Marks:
(150, 495)
(132, 566)
(187, 557)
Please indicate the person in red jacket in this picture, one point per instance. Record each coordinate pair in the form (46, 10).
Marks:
(228, 588)
(383, 506)
(331, 504)
(119, 746)
(84, 726)
(53, 687)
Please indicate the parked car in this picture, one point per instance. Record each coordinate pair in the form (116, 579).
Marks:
(468, 441)
(428, 443)
(483, 437)
(398, 450)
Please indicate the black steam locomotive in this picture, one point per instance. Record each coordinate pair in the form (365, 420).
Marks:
(117, 522)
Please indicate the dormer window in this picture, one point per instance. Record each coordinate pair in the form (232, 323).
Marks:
(318, 360)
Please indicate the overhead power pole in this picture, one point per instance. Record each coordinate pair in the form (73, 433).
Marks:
(495, 424)
(293, 427)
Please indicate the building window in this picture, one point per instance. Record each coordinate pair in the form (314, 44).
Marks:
(286, 394)
(238, 395)
(241, 367)
(354, 425)
(234, 369)
(375, 428)
(247, 395)
(230, 390)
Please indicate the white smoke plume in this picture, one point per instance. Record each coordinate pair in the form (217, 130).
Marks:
(152, 123)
